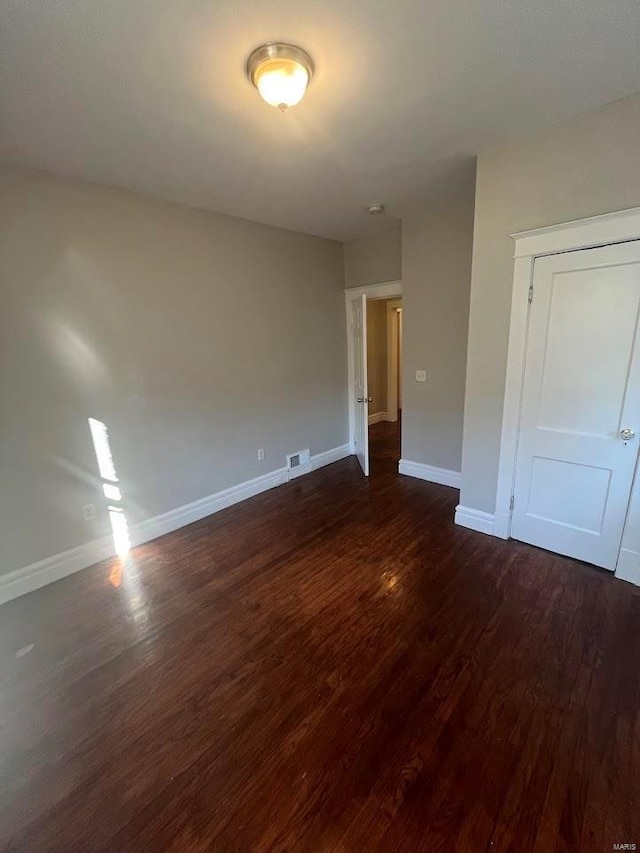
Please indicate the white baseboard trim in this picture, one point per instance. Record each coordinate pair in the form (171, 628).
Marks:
(32, 577)
(628, 568)
(322, 459)
(377, 417)
(443, 476)
(475, 519)
(35, 575)
(152, 528)
(330, 456)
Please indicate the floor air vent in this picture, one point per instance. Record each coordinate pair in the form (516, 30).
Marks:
(297, 461)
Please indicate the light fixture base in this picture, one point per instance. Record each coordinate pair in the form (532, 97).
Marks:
(278, 50)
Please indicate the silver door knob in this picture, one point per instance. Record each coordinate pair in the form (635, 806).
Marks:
(360, 400)
(627, 434)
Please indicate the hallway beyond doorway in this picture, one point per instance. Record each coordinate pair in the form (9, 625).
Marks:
(384, 446)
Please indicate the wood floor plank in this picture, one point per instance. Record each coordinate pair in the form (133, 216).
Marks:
(330, 666)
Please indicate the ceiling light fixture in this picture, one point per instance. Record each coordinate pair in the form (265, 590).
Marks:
(281, 73)
(375, 209)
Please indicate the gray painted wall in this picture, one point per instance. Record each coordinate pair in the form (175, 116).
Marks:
(197, 338)
(432, 256)
(373, 259)
(585, 167)
(436, 276)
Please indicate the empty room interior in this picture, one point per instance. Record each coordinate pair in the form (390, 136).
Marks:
(319, 427)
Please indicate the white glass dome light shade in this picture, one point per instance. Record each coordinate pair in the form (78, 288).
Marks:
(282, 82)
(281, 73)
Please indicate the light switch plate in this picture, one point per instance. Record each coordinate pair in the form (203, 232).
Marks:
(421, 375)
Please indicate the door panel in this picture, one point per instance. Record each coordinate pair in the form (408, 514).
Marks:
(592, 325)
(578, 495)
(361, 437)
(581, 387)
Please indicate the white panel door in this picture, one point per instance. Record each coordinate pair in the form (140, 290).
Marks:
(361, 437)
(575, 468)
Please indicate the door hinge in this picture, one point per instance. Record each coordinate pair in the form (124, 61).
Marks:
(512, 502)
(530, 294)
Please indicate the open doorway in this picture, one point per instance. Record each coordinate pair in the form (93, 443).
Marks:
(384, 359)
(384, 369)
(374, 336)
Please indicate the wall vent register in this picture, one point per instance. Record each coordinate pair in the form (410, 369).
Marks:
(298, 459)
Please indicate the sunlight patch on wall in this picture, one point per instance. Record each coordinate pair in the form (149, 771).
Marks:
(112, 493)
(102, 448)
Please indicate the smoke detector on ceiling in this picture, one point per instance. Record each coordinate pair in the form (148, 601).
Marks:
(375, 209)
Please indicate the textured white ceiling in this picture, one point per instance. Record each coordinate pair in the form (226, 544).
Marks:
(151, 95)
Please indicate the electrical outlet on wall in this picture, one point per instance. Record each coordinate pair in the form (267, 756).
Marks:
(421, 375)
(260, 455)
(89, 512)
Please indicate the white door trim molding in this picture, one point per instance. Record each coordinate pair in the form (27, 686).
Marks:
(522, 281)
(384, 290)
(430, 473)
(618, 227)
(628, 568)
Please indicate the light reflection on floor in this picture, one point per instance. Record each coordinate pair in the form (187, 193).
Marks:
(115, 575)
(124, 575)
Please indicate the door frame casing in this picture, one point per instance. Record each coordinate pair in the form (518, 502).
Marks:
(384, 290)
(392, 319)
(607, 229)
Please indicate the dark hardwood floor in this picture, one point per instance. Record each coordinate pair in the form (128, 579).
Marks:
(330, 666)
(384, 447)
